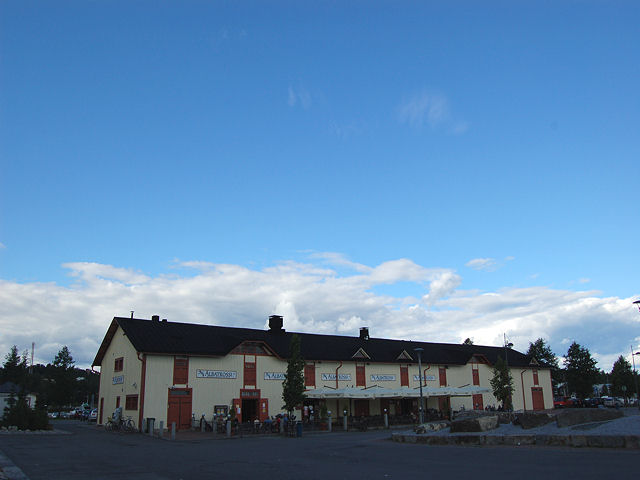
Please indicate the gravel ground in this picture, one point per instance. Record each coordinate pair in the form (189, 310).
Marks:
(627, 425)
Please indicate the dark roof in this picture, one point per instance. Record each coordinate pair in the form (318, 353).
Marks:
(172, 338)
(10, 387)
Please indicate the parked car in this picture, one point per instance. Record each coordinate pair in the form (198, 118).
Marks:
(612, 402)
(93, 416)
(564, 402)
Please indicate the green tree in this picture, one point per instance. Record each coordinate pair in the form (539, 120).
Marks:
(63, 376)
(293, 384)
(468, 341)
(622, 378)
(14, 368)
(502, 383)
(581, 370)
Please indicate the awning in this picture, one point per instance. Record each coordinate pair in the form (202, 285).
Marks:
(402, 392)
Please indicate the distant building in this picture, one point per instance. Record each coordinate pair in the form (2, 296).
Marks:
(9, 388)
(172, 371)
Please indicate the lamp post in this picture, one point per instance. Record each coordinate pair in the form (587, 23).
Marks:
(635, 378)
(507, 346)
(419, 351)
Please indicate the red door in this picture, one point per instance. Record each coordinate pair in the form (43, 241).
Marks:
(179, 410)
(538, 398)
(478, 404)
(444, 404)
(476, 376)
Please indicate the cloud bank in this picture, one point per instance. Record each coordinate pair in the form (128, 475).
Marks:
(328, 293)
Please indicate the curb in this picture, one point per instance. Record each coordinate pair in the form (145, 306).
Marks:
(576, 441)
(9, 471)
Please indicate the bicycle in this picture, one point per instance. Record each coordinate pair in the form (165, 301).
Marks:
(121, 425)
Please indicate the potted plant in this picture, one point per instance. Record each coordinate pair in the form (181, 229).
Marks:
(323, 416)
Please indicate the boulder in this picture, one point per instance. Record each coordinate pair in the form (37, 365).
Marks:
(577, 416)
(479, 424)
(529, 420)
(431, 427)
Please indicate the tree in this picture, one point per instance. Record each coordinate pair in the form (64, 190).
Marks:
(293, 385)
(502, 383)
(542, 353)
(14, 368)
(621, 378)
(64, 378)
(468, 341)
(581, 369)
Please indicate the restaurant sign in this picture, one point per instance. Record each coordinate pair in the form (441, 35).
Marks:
(118, 380)
(216, 374)
(273, 375)
(426, 378)
(332, 376)
(383, 378)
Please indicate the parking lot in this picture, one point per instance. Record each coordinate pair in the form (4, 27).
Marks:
(88, 452)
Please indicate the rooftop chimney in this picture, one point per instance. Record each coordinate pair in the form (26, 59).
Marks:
(275, 324)
(155, 318)
(364, 333)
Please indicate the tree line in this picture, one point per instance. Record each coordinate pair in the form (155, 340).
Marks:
(579, 372)
(57, 385)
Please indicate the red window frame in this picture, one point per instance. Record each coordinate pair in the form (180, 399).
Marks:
(131, 402)
(250, 373)
(310, 375)
(180, 370)
(118, 364)
(404, 376)
(476, 376)
(361, 376)
(535, 378)
(443, 376)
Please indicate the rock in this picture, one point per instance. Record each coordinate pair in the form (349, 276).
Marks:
(480, 424)
(577, 416)
(431, 427)
(532, 420)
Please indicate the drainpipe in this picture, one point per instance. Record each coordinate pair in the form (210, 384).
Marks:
(339, 367)
(524, 400)
(143, 375)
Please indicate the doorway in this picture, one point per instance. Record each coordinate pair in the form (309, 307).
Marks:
(179, 410)
(249, 409)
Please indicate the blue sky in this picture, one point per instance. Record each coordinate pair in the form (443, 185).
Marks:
(492, 147)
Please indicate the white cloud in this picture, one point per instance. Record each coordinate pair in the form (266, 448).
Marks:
(299, 96)
(430, 109)
(488, 264)
(313, 297)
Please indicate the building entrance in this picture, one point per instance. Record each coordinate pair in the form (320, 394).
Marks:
(249, 410)
(179, 410)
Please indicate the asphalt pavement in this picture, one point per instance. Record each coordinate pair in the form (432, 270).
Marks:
(88, 452)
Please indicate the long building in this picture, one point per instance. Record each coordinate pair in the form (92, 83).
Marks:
(173, 371)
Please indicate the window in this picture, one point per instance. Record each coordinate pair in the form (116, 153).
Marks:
(443, 376)
(404, 376)
(250, 373)
(476, 376)
(131, 402)
(361, 378)
(310, 375)
(535, 377)
(118, 365)
(180, 371)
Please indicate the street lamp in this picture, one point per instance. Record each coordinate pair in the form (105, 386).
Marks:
(419, 351)
(635, 378)
(507, 346)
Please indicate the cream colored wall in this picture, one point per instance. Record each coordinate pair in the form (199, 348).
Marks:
(120, 347)
(209, 392)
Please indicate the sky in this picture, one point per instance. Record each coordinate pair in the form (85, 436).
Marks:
(433, 170)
